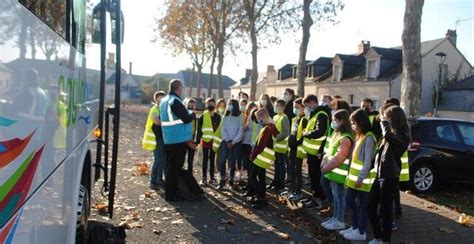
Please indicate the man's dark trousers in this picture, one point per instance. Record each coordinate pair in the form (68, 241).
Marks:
(174, 163)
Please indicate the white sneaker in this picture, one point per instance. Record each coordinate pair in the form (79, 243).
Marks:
(342, 232)
(375, 241)
(355, 235)
(335, 225)
(325, 223)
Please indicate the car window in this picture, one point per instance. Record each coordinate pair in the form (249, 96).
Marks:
(446, 132)
(467, 132)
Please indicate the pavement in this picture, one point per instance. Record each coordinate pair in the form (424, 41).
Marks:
(224, 215)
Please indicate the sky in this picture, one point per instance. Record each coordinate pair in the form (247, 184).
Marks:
(377, 21)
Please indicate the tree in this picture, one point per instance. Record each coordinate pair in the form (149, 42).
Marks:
(411, 53)
(184, 29)
(224, 18)
(262, 17)
(321, 11)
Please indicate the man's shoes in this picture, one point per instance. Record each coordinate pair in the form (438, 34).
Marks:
(221, 185)
(154, 187)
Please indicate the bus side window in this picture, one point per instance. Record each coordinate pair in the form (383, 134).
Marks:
(79, 25)
(52, 13)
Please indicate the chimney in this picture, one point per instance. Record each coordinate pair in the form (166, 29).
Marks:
(363, 47)
(248, 73)
(451, 34)
(130, 68)
(272, 74)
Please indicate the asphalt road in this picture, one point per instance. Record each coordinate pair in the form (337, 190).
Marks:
(221, 216)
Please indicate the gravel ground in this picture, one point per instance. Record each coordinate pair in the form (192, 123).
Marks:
(221, 216)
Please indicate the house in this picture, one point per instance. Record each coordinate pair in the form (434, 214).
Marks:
(264, 78)
(457, 100)
(376, 72)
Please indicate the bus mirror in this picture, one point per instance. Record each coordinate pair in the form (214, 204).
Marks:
(96, 24)
(112, 20)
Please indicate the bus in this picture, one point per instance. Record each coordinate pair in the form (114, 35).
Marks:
(54, 143)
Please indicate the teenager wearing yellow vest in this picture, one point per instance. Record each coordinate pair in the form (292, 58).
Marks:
(335, 166)
(359, 180)
(280, 145)
(153, 141)
(207, 125)
(191, 149)
(387, 165)
(297, 153)
(315, 134)
(262, 157)
(220, 109)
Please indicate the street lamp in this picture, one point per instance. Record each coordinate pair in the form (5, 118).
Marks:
(442, 59)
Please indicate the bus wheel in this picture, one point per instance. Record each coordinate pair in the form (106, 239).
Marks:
(82, 215)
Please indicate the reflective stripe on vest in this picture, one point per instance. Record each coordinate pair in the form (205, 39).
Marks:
(149, 139)
(216, 140)
(300, 152)
(312, 146)
(338, 174)
(405, 171)
(173, 128)
(266, 158)
(357, 165)
(207, 131)
(280, 146)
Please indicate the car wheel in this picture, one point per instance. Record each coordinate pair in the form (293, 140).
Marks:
(424, 179)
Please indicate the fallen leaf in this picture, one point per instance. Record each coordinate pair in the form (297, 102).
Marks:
(465, 220)
(446, 230)
(158, 232)
(101, 207)
(142, 169)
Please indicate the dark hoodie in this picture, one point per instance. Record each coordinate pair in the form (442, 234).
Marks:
(269, 131)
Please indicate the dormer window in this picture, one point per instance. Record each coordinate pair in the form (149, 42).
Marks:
(337, 72)
(372, 68)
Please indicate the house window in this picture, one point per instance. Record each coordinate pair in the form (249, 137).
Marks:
(372, 69)
(337, 71)
(294, 73)
(351, 98)
(309, 70)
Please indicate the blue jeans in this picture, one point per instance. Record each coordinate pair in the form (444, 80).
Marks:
(326, 185)
(357, 202)
(279, 177)
(339, 203)
(158, 163)
(232, 155)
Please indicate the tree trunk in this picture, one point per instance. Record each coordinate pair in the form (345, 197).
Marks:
(306, 26)
(411, 49)
(211, 77)
(191, 82)
(33, 45)
(220, 64)
(254, 75)
(22, 40)
(198, 80)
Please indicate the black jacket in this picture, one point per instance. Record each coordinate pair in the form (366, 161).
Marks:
(293, 143)
(388, 156)
(289, 111)
(375, 128)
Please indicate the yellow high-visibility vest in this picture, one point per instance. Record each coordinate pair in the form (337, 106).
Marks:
(207, 130)
(405, 170)
(149, 139)
(266, 158)
(357, 165)
(312, 146)
(280, 146)
(338, 174)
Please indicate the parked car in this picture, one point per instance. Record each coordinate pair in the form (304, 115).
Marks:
(441, 150)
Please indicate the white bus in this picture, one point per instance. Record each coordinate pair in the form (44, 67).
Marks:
(49, 114)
